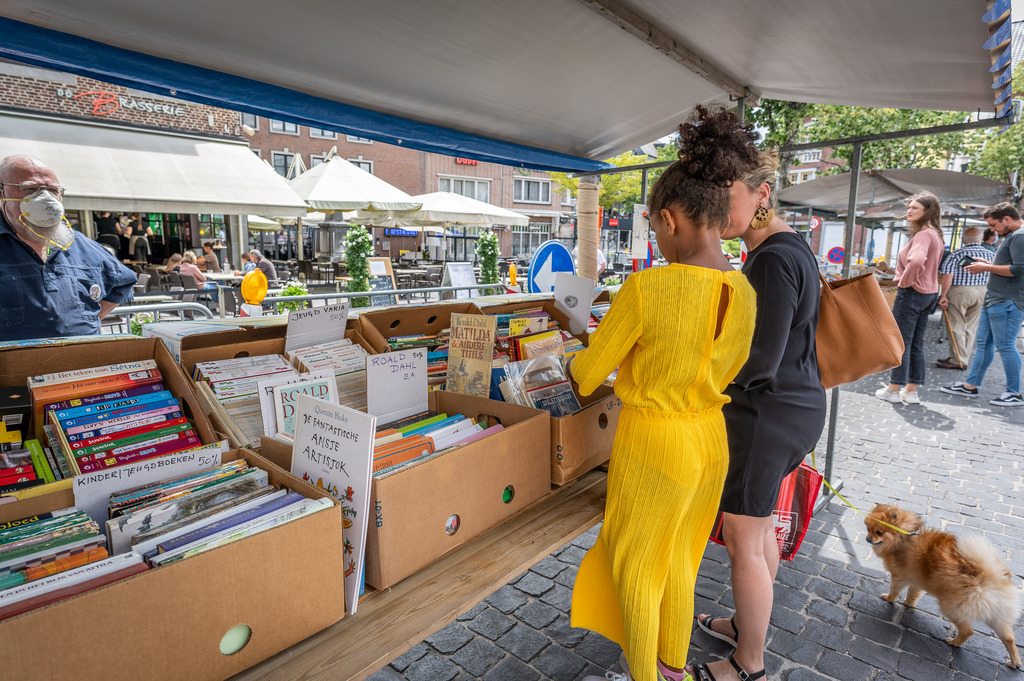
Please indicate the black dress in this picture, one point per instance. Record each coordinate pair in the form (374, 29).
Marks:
(777, 410)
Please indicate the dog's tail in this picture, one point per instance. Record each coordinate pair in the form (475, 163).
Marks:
(996, 599)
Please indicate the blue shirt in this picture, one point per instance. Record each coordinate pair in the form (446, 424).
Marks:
(62, 296)
(961, 277)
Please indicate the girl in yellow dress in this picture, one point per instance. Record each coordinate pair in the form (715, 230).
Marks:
(678, 335)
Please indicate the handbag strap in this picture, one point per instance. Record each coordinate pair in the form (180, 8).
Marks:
(824, 281)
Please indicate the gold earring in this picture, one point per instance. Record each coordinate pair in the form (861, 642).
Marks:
(762, 217)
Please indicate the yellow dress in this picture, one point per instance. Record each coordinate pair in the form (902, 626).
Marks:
(668, 463)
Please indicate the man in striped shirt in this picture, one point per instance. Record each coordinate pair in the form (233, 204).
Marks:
(961, 296)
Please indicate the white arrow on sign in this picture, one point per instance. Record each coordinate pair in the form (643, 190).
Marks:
(545, 278)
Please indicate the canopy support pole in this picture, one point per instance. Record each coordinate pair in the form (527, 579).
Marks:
(588, 228)
(833, 412)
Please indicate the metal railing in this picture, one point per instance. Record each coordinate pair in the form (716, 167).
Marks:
(339, 295)
(179, 307)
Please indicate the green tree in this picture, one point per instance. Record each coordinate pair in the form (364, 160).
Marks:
(358, 248)
(783, 124)
(621, 188)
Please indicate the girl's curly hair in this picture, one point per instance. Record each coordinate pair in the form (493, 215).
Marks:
(715, 150)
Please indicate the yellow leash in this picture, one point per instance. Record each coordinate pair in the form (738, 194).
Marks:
(834, 491)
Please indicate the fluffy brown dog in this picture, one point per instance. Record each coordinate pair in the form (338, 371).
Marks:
(966, 576)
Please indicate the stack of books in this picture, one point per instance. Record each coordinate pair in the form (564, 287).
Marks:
(421, 436)
(437, 369)
(541, 383)
(41, 546)
(418, 341)
(348, 362)
(233, 383)
(107, 416)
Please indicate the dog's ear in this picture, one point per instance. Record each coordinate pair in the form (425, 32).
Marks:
(894, 515)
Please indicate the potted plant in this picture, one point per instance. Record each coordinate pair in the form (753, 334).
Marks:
(358, 249)
(487, 250)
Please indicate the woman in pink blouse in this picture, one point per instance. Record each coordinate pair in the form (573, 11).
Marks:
(188, 266)
(917, 281)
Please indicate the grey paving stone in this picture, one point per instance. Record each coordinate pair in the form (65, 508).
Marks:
(491, 623)
(538, 615)
(559, 597)
(431, 667)
(563, 633)
(918, 669)
(472, 612)
(975, 666)
(790, 598)
(507, 598)
(795, 648)
(410, 656)
(549, 567)
(571, 554)
(827, 612)
(599, 650)
(844, 668)
(567, 577)
(874, 654)
(523, 642)
(805, 675)
(831, 637)
(534, 584)
(558, 662)
(827, 589)
(451, 638)
(788, 620)
(478, 657)
(511, 669)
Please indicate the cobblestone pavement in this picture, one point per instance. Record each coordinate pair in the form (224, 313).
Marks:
(957, 461)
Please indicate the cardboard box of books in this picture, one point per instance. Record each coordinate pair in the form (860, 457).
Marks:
(408, 325)
(232, 405)
(102, 403)
(582, 440)
(433, 504)
(121, 619)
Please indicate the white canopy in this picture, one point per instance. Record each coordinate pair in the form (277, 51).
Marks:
(116, 168)
(441, 208)
(337, 185)
(883, 187)
(261, 224)
(525, 82)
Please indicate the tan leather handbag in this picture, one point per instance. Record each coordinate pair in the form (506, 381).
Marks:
(857, 334)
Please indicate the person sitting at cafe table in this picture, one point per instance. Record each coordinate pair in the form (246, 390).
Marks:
(188, 266)
(264, 265)
(173, 263)
(211, 257)
(247, 265)
(57, 282)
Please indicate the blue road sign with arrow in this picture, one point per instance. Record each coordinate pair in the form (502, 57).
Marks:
(550, 257)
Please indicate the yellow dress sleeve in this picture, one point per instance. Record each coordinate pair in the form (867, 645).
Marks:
(615, 336)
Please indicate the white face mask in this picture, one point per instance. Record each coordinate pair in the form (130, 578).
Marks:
(42, 214)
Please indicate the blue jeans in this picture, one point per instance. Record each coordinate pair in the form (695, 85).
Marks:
(997, 330)
(911, 311)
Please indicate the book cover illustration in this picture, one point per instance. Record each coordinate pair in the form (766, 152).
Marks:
(334, 451)
(286, 396)
(470, 351)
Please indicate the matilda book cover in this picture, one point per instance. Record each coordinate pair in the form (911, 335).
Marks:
(470, 350)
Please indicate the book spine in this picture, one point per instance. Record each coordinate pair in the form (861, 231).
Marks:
(92, 372)
(138, 439)
(93, 386)
(125, 425)
(39, 461)
(141, 454)
(105, 397)
(32, 520)
(114, 405)
(157, 423)
(13, 478)
(117, 413)
(7, 489)
(52, 460)
(10, 445)
(75, 560)
(60, 446)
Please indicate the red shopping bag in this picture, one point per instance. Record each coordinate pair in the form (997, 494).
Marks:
(797, 494)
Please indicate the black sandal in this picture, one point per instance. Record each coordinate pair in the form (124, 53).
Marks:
(705, 624)
(704, 674)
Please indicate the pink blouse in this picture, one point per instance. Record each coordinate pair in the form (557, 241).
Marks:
(189, 268)
(917, 265)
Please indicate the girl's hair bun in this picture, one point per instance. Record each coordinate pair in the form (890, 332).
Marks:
(715, 147)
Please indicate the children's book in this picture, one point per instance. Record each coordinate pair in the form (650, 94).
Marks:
(470, 351)
(286, 397)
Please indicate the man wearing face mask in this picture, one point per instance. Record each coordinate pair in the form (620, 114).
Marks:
(53, 283)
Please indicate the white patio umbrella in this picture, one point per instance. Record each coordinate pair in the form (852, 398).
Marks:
(445, 208)
(337, 185)
(310, 219)
(261, 224)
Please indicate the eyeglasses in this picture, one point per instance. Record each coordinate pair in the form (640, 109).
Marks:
(33, 187)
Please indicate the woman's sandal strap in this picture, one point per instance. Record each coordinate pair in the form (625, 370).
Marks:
(743, 674)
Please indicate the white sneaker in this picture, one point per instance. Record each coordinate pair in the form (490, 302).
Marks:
(883, 393)
(910, 397)
(609, 676)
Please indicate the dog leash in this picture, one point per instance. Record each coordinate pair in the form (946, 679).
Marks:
(834, 491)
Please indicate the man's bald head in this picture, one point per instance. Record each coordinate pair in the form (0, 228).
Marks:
(22, 167)
(972, 235)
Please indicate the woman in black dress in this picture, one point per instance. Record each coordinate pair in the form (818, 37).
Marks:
(775, 417)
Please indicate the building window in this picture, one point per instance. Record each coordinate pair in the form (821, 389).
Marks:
(284, 127)
(793, 178)
(531, 191)
(323, 134)
(360, 163)
(252, 120)
(806, 177)
(474, 189)
(316, 159)
(809, 156)
(282, 162)
(525, 240)
(358, 140)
